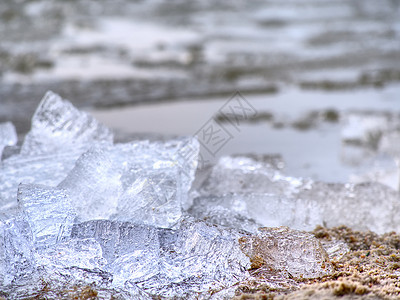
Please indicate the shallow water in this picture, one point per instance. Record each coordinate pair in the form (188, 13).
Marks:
(312, 150)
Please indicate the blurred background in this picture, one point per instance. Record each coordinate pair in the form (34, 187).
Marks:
(323, 76)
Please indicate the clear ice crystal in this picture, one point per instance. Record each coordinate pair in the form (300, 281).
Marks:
(8, 136)
(48, 212)
(287, 252)
(57, 126)
(138, 182)
(59, 135)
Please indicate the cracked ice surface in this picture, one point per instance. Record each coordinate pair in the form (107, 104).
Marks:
(59, 135)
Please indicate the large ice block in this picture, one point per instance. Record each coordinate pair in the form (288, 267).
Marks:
(59, 135)
(284, 252)
(138, 182)
(48, 211)
(8, 136)
(57, 126)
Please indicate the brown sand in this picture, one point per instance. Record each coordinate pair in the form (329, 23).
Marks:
(370, 270)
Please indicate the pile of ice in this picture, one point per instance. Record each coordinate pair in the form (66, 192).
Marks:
(77, 210)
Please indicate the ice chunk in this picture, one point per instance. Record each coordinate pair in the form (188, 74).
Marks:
(300, 204)
(48, 211)
(47, 170)
(8, 136)
(366, 206)
(252, 210)
(132, 251)
(80, 253)
(94, 184)
(118, 238)
(286, 253)
(195, 259)
(16, 254)
(138, 182)
(57, 126)
(242, 174)
(228, 211)
(59, 135)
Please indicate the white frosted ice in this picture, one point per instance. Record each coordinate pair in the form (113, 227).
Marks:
(8, 136)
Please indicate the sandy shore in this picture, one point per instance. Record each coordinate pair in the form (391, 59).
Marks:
(369, 270)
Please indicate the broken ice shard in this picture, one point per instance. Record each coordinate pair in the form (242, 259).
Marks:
(48, 212)
(138, 182)
(57, 126)
(59, 135)
(287, 253)
(8, 136)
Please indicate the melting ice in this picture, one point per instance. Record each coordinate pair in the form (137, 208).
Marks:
(77, 209)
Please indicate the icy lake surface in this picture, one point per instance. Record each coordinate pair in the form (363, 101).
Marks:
(145, 219)
(102, 53)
